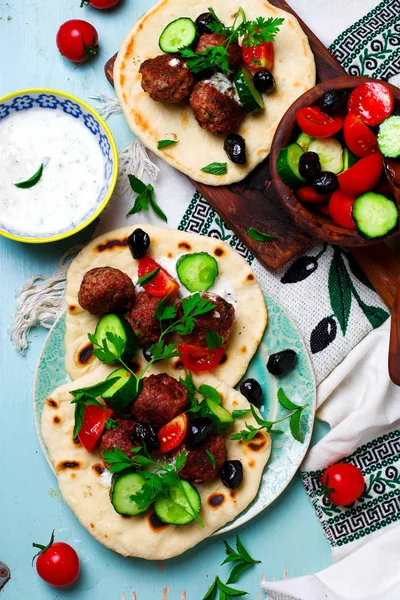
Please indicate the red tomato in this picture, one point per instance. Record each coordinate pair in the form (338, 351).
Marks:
(340, 209)
(372, 101)
(259, 57)
(94, 419)
(57, 563)
(196, 358)
(359, 139)
(100, 4)
(361, 177)
(343, 483)
(77, 40)
(173, 433)
(163, 284)
(309, 196)
(323, 208)
(316, 123)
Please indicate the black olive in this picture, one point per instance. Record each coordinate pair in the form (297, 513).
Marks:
(333, 101)
(144, 433)
(235, 147)
(264, 81)
(251, 389)
(139, 243)
(198, 430)
(282, 362)
(147, 354)
(325, 183)
(232, 474)
(203, 21)
(309, 165)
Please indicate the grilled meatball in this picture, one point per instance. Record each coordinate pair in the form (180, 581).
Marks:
(221, 320)
(198, 467)
(146, 327)
(120, 437)
(215, 106)
(209, 40)
(166, 78)
(104, 290)
(162, 399)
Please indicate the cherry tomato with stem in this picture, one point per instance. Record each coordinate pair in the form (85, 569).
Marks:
(172, 434)
(308, 195)
(359, 139)
(342, 483)
(77, 40)
(57, 563)
(372, 102)
(340, 209)
(317, 124)
(259, 57)
(94, 420)
(361, 177)
(100, 4)
(199, 359)
(162, 284)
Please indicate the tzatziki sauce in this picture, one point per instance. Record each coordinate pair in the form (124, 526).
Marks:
(67, 191)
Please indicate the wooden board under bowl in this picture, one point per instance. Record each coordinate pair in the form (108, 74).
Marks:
(253, 201)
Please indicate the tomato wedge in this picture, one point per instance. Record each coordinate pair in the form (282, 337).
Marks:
(197, 358)
(259, 57)
(359, 139)
(94, 419)
(309, 196)
(162, 284)
(372, 102)
(341, 209)
(316, 123)
(361, 177)
(173, 433)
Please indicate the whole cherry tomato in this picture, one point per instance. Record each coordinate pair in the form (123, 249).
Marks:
(162, 284)
(343, 483)
(309, 196)
(317, 124)
(359, 139)
(361, 177)
(197, 358)
(100, 4)
(173, 433)
(94, 419)
(77, 40)
(372, 101)
(259, 57)
(57, 563)
(340, 209)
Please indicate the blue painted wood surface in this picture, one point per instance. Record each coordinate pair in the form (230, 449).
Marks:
(285, 537)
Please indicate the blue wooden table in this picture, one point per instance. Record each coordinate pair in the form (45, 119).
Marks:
(286, 537)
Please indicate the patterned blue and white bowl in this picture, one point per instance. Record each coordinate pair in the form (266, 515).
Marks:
(54, 100)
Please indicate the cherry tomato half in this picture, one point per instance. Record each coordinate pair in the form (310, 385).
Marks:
(173, 433)
(77, 40)
(94, 419)
(100, 4)
(343, 483)
(259, 57)
(372, 102)
(359, 139)
(163, 284)
(197, 358)
(316, 123)
(309, 196)
(57, 563)
(341, 209)
(361, 177)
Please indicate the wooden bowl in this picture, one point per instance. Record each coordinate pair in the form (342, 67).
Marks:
(316, 224)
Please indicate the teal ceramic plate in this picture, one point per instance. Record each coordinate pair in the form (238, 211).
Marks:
(299, 385)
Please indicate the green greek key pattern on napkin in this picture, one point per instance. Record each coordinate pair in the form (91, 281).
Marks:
(379, 505)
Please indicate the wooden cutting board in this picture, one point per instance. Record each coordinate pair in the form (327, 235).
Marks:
(253, 201)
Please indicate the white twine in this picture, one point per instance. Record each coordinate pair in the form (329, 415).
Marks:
(109, 105)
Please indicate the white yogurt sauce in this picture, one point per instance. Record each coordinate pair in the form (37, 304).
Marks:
(105, 478)
(221, 83)
(71, 179)
(174, 62)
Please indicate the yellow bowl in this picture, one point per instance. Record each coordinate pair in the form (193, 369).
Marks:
(46, 99)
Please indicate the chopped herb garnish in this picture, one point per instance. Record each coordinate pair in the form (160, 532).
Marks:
(213, 340)
(145, 198)
(211, 458)
(259, 235)
(216, 168)
(117, 459)
(32, 180)
(111, 424)
(165, 143)
(145, 279)
(240, 413)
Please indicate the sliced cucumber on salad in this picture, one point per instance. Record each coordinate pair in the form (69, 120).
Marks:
(197, 272)
(288, 165)
(122, 391)
(218, 415)
(178, 34)
(248, 95)
(375, 215)
(330, 153)
(119, 327)
(304, 140)
(124, 486)
(181, 505)
(389, 137)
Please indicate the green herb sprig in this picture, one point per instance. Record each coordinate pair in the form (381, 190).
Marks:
(259, 236)
(204, 390)
(242, 558)
(145, 198)
(225, 592)
(88, 395)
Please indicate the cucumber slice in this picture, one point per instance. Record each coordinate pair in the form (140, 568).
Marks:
(124, 486)
(349, 159)
(121, 328)
(389, 137)
(287, 165)
(330, 154)
(375, 215)
(248, 95)
(304, 140)
(180, 33)
(167, 509)
(197, 272)
(122, 392)
(218, 415)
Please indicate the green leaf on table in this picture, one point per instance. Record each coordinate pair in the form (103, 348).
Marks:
(145, 198)
(216, 168)
(165, 143)
(259, 236)
(340, 293)
(28, 183)
(137, 186)
(237, 571)
(229, 590)
(212, 591)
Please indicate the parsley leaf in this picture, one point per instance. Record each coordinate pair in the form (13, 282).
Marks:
(145, 198)
(260, 30)
(180, 460)
(213, 340)
(165, 143)
(111, 424)
(145, 279)
(211, 458)
(216, 168)
(117, 460)
(162, 351)
(110, 350)
(259, 236)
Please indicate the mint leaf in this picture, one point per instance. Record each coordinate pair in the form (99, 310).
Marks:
(240, 413)
(259, 236)
(294, 425)
(137, 186)
(96, 390)
(165, 143)
(145, 279)
(211, 458)
(216, 168)
(212, 591)
(285, 402)
(209, 392)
